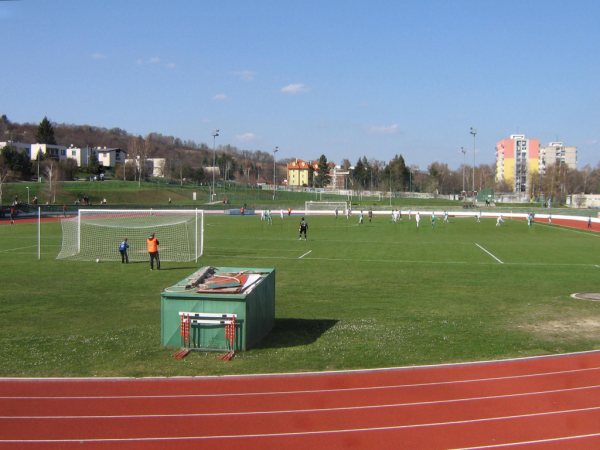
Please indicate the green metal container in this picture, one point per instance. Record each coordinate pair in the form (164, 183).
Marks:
(254, 307)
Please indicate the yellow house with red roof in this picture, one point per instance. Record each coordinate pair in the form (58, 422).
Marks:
(297, 172)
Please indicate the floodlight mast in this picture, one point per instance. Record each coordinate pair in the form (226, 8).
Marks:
(214, 135)
(474, 133)
(464, 152)
(275, 150)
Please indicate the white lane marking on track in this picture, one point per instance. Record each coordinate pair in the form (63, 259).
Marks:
(538, 441)
(489, 253)
(309, 391)
(311, 410)
(310, 433)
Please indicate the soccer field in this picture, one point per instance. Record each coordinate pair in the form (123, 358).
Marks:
(351, 296)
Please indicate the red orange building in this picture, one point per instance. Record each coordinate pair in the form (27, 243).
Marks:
(517, 160)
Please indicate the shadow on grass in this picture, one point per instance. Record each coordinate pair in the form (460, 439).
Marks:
(295, 332)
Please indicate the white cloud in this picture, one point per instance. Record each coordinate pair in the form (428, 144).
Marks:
(294, 88)
(245, 75)
(98, 56)
(155, 61)
(246, 137)
(152, 60)
(220, 97)
(384, 129)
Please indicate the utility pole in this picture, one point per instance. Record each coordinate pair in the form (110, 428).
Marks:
(464, 152)
(274, 174)
(214, 135)
(474, 133)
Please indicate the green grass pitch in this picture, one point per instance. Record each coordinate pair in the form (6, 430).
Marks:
(352, 296)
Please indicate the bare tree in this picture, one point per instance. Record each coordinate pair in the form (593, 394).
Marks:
(52, 171)
(138, 149)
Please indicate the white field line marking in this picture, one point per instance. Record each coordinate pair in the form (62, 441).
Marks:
(313, 410)
(17, 248)
(407, 261)
(310, 433)
(572, 230)
(308, 252)
(489, 253)
(315, 391)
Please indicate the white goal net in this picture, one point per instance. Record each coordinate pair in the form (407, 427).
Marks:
(325, 207)
(97, 233)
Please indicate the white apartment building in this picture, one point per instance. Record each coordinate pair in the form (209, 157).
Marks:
(18, 146)
(57, 152)
(155, 167)
(110, 157)
(557, 153)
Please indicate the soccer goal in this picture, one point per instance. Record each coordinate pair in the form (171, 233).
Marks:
(96, 234)
(324, 207)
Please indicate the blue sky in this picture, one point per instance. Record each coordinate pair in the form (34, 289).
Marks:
(340, 78)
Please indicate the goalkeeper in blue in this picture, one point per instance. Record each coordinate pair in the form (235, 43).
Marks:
(123, 246)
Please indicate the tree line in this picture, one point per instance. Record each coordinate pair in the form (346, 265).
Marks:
(187, 161)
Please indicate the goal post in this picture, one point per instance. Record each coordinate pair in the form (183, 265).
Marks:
(96, 234)
(324, 207)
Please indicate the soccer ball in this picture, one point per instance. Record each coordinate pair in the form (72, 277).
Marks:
(97, 260)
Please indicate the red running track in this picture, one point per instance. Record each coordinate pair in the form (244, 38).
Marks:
(546, 402)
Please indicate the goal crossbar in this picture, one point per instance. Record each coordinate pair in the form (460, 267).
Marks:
(325, 207)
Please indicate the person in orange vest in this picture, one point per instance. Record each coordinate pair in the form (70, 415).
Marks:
(152, 244)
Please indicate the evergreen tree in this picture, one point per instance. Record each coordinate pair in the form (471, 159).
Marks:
(45, 133)
(17, 162)
(397, 174)
(360, 175)
(323, 177)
